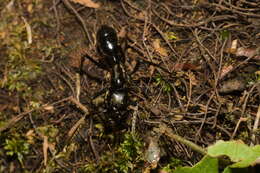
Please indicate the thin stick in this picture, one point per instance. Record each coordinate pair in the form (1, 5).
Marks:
(75, 127)
(163, 129)
(80, 105)
(205, 115)
(255, 126)
(241, 119)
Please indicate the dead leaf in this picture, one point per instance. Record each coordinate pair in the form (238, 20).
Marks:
(247, 52)
(49, 108)
(30, 135)
(158, 48)
(233, 47)
(163, 171)
(155, 111)
(122, 33)
(225, 70)
(232, 85)
(87, 3)
(253, 53)
(75, 127)
(151, 70)
(185, 67)
(177, 117)
(141, 15)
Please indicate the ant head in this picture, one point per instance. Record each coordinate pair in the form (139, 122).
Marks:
(107, 41)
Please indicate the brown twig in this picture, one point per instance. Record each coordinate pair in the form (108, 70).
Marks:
(243, 118)
(222, 7)
(255, 127)
(19, 117)
(68, 4)
(80, 105)
(56, 14)
(205, 115)
(195, 23)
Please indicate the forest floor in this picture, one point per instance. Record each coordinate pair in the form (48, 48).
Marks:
(191, 65)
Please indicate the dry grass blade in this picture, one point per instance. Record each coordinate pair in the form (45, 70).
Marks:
(45, 149)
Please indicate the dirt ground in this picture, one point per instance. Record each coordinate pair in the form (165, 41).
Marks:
(190, 65)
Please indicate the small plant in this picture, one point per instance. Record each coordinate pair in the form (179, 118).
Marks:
(130, 153)
(16, 147)
(130, 147)
(172, 36)
(166, 86)
(224, 34)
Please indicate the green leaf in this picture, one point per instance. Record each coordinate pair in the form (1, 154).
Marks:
(237, 151)
(206, 165)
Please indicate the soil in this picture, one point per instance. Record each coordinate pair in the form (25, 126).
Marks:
(190, 65)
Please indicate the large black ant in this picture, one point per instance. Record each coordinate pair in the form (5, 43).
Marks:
(112, 52)
(117, 98)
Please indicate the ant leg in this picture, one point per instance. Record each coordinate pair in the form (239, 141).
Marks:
(135, 68)
(98, 64)
(81, 71)
(122, 54)
(99, 93)
(153, 64)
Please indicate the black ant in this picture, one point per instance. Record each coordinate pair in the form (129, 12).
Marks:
(112, 52)
(117, 99)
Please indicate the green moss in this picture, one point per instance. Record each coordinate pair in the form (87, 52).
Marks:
(19, 67)
(124, 159)
(17, 147)
(173, 164)
(166, 86)
(224, 34)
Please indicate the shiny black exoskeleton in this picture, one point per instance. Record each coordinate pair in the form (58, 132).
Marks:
(107, 45)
